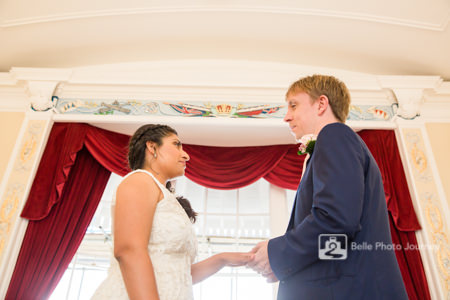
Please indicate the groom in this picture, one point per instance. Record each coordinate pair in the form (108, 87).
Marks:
(337, 244)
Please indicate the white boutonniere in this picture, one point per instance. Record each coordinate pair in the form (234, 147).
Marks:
(307, 143)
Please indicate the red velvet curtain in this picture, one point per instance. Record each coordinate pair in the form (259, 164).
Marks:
(213, 167)
(72, 175)
(50, 243)
(65, 141)
(229, 168)
(410, 263)
(403, 220)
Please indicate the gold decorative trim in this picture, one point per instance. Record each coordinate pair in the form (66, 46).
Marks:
(429, 202)
(18, 179)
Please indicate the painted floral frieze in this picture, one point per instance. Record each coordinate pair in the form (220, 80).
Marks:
(201, 109)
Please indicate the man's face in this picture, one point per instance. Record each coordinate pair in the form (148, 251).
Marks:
(301, 114)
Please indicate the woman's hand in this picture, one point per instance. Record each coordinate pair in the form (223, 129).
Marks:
(213, 264)
(236, 259)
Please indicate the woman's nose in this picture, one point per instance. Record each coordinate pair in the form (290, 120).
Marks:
(186, 156)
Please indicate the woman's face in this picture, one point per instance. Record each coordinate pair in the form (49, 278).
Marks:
(170, 157)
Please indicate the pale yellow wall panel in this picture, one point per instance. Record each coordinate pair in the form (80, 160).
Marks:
(10, 123)
(439, 135)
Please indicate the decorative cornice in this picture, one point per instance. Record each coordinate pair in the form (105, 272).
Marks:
(38, 85)
(213, 74)
(41, 74)
(410, 82)
(7, 79)
(409, 102)
(443, 88)
(436, 106)
(41, 94)
(14, 98)
(226, 81)
(439, 95)
(409, 92)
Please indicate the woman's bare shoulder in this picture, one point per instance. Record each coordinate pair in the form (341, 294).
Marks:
(138, 184)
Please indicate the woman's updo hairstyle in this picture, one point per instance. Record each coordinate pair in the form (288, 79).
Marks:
(138, 142)
(136, 155)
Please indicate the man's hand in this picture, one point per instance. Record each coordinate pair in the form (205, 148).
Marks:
(260, 262)
(235, 259)
(271, 278)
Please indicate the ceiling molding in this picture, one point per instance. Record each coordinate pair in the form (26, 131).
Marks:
(443, 88)
(41, 74)
(174, 93)
(207, 94)
(439, 24)
(194, 73)
(410, 82)
(14, 98)
(7, 79)
(439, 99)
(214, 73)
(211, 80)
(436, 110)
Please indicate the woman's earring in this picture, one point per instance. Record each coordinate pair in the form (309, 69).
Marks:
(154, 155)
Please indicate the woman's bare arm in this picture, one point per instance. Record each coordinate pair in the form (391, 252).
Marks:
(213, 264)
(136, 200)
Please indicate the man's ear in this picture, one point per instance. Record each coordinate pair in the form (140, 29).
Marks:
(323, 104)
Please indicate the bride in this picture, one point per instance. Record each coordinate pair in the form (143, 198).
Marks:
(154, 244)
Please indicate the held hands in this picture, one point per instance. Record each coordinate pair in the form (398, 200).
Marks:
(236, 259)
(205, 268)
(257, 259)
(260, 262)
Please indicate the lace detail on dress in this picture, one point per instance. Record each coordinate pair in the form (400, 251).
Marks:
(172, 249)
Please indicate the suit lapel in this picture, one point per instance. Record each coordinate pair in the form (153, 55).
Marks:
(305, 172)
(294, 207)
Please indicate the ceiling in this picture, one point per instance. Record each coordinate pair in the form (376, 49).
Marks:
(403, 37)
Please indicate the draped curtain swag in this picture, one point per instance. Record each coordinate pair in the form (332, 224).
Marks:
(79, 158)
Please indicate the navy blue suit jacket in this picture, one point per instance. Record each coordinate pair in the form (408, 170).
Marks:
(341, 192)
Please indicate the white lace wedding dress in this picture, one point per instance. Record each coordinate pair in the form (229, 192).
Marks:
(172, 248)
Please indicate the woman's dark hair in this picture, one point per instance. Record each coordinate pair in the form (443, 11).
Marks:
(136, 154)
(138, 142)
(184, 203)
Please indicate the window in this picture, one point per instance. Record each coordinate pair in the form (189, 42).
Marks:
(228, 220)
(241, 213)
